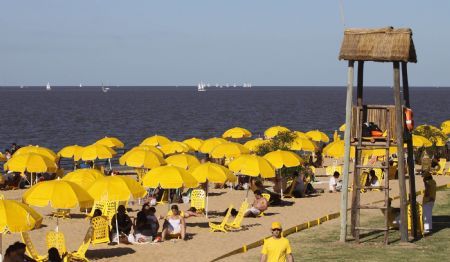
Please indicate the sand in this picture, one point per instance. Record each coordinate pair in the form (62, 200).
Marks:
(203, 245)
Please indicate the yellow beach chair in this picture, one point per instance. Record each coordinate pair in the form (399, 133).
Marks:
(57, 240)
(31, 251)
(80, 254)
(198, 199)
(221, 227)
(164, 198)
(100, 205)
(236, 224)
(100, 226)
(61, 213)
(442, 163)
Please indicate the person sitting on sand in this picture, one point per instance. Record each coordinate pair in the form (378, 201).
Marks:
(147, 224)
(124, 222)
(16, 252)
(334, 183)
(373, 179)
(174, 224)
(259, 205)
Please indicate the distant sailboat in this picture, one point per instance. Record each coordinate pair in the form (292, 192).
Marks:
(105, 89)
(48, 88)
(201, 87)
(81, 85)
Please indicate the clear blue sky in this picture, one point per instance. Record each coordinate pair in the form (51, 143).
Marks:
(289, 42)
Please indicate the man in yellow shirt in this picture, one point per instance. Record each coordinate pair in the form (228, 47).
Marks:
(276, 248)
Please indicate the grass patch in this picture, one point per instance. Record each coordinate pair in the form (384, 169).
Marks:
(320, 243)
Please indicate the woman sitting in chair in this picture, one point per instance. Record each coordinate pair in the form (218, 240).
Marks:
(174, 224)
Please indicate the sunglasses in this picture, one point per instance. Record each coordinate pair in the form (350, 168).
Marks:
(276, 229)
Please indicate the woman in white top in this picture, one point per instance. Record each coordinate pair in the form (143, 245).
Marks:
(334, 183)
(174, 224)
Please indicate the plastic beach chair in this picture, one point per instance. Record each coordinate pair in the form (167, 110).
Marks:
(56, 240)
(31, 251)
(80, 254)
(221, 227)
(198, 199)
(267, 197)
(100, 226)
(236, 224)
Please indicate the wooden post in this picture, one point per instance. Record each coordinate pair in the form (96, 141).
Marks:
(360, 83)
(348, 118)
(401, 157)
(410, 160)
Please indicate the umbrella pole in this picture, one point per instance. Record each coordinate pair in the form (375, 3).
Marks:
(207, 199)
(117, 224)
(109, 160)
(281, 183)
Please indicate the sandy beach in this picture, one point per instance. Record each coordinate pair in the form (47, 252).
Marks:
(203, 245)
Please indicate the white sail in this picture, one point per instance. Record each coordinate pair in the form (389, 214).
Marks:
(201, 87)
(48, 88)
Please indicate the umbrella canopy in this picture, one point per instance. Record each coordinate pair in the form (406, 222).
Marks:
(237, 132)
(59, 194)
(420, 141)
(184, 161)
(37, 150)
(84, 177)
(318, 136)
(299, 134)
(141, 158)
(209, 144)
(303, 144)
(116, 188)
(336, 149)
(169, 177)
(112, 142)
(229, 150)
(282, 158)
(95, 151)
(175, 147)
(194, 143)
(149, 148)
(2, 157)
(275, 130)
(254, 144)
(445, 124)
(70, 151)
(342, 128)
(30, 162)
(213, 173)
(252, 165)
(155, 140)
(17, 217)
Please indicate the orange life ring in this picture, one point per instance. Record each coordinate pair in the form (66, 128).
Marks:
(409, 121)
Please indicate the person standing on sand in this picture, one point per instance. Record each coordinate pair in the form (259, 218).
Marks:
(276, 248)
(429, 197)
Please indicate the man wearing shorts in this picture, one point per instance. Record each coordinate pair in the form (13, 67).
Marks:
(259, 205)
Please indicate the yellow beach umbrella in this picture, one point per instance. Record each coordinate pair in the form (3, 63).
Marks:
(420, 141)
(252, 165)
(169, 177)
(336, 149)
(95, 151)
(318, 136)
(59, 194)
(112, 142)
(229, 150)
(37, 150)
(282, 158)
(299, 134)
(17, 217)
(141, 158)
(2, 157)
(155, 140)
(237, 132)
(84, 177)
(175, 147)
(194, 143)
(212, 172)
(184, 161)
(116, 188)
(70, 151)
(209, 144)
(303, 144)
(342, 128)
(274, 131)
(445, 124)
(149, 148)
(254, 144)
(336, 136)
(30, 162)
(446, 130)
(440, 141)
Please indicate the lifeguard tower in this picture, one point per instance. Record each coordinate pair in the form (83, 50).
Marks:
(378, 45)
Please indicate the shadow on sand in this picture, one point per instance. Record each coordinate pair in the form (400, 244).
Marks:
(109, 252)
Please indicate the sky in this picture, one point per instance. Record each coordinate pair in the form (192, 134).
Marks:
(180, 42)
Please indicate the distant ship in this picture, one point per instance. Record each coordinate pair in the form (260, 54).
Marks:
(247, 85)
(201, 87)
(48, 88)
(105, 89)
(81, 85)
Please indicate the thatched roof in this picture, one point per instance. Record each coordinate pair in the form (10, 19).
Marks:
(381, 45)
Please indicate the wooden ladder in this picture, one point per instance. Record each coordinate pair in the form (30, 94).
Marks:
(367, 144)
